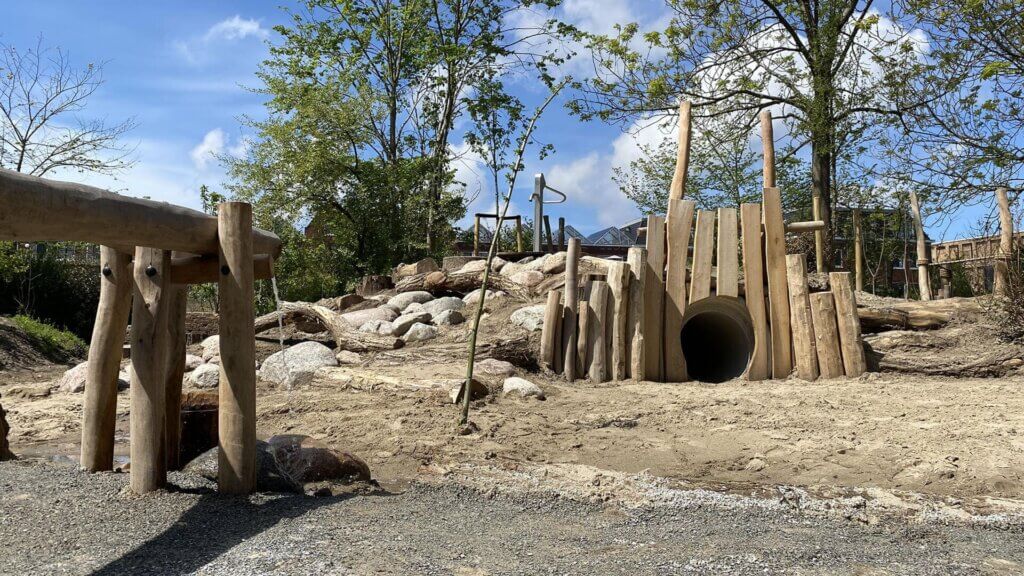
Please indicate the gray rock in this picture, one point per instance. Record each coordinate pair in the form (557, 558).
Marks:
(554, 264)
(414, 307)
(405, 270)
(205, 376)
(420, 332)
(494, 367)
(403, 323)
(529, 317)
(474, 296)
(527, 278)
(538, 263)
(449, 318)
(73, 380)
(477, 391)
(454, 263)
(360, 317)
(348, 357)
(402, 300)
(435, 307)
(211, 347)
(296, 366)
(512, 268)
(382, 327)
(308, 460)
(524, 388)
(270, 477)
(192, 361)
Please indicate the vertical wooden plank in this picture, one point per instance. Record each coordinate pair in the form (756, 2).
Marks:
(618, 285)
(237, 409)
(727, 259)
(826, 335)
(636, 257)
(678, 186)
(680, 223)
(768, 148)
(703, 252)
(753, 285)
(175, 371)
(804, 350)
(149, 348)
(778, 290)
(654, 299)
(858, 250)
(571, 309)
(583, 343)
(1005, 242)
(99, 411)
(549, 340)
(854, 363)
(597, 327)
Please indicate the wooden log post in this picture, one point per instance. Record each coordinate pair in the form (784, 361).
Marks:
(923, 278)
(826, 335)
(636, 257)
(618, 286)
(753, 282)
(237, 408)
(550, 338)
(1002, 277)
(805, 353)
(547, 230)
(680, 224)
(476, 235)
(678, 186)
(569, 314)
(778, 288)
(768, 148)
(175, 371)
(105, 351)
(149, 334)
(819, 235)
(727, 282)
(561, 233)
(519, 233)
(858, 250)
(848, 322)
(598, 320)
(654, 299)
(703, 252)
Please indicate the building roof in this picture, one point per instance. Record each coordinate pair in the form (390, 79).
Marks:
(610, 236)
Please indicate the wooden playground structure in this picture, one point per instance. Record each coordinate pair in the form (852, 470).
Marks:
(664, 316)
(150, 253)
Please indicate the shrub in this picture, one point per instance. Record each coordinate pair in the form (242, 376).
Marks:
(51, 341)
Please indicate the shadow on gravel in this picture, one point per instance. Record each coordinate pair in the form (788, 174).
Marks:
(210, 528)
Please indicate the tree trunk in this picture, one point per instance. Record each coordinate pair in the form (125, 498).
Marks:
(821, 186)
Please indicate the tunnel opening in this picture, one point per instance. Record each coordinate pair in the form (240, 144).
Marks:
(717, 339)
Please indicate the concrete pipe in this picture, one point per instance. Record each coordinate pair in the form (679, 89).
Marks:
(717, 339)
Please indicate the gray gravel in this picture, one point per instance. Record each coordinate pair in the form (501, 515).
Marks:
(56, 520)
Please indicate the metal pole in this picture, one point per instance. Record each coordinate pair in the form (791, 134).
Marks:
(538, 210)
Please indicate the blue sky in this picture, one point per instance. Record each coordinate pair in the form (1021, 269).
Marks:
(181, 70)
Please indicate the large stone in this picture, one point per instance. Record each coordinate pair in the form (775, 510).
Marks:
(454, 263)
(419, 332)
(494, 367)
(305, 459)
(211, 347)
(73, 380)
(512, 268)
(360, 317)
(382, 327)
(449, 318)
(402, 324)
(524, 388)
(206, 376)
(296, 366)
(405, 270)
(477, 391)
(554, 264)
(348, 357)
(474, 296)
(192, 361)
(538, 263)
(341, 303)
(400, 301)
(270, 476)
(435, 307)
(529, 317)
(527, 278)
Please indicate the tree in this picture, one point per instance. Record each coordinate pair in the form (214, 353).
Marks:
(41, 95)
(827, 69)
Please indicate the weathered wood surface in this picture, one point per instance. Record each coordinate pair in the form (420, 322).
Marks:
(727, 279)
(858, 249)
(654, 299)
(677, 189)
(583, 341)
(598, 324)
(203, 269)
(618, 286)
(924, 283)
(826, 335)
(819, 234)
(778, 287)
(753, 275)
(40, 210)
(571, 310)
(805, 353)
(680, 223)
(850, 344)
(636, 257)
(911, 315)
(345, 336)
(550, 338)
(105, 350)
(175, 371)
(767, 148)
(149, 335)
(703, 252)
(1005, 242)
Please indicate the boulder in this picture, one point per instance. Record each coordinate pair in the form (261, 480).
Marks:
(73, 380)
(192, 361)
(382, 327)
(529, 317)
(435, 307)
(296, 366)
(402, 300)
(538, 263)
(270, 476)
(472, 298)
(211, 347)
(527, 278)
(414, 307)
(477, 391)
(205, 376)
(403, 323)
(348, 357)
(405, 270)
(341, 303)
(360, 317)
(524, 388)
(419, 332)
(494, 367)
(305, 459)
(554, 264)
(512, 268)
(473, 267)
(454, 263)
(449, 318)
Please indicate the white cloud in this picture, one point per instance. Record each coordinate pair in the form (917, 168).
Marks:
(232, 30)
(215, 144)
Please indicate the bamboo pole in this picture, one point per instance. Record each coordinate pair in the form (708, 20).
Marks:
(237, 407)
(175, 371)
(805, 352)
(1005, 242)
(923, 279)
(680, 223)
(654, 299)
(105, 350)
(858, 250)
(848, 322)
(149, 334)
(678, 187)
(778, 287)
(753, 278)
(571, 310)
(826, 335)
(618, 285)
(636, 257)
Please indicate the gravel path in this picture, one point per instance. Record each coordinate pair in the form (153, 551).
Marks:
(56, 520)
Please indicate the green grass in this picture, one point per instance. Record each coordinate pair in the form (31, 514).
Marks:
(51, 340)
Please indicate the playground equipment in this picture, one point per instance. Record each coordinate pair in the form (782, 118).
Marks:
(150, 252)
(676, 310)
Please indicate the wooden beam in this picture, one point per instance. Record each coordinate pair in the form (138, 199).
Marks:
(40, 210)
(203, 269)
(678, 187)
(571, 309)
(237, 408)
(654, 299)
(703, 252)
(778, 288)
(618, 286)
(848, 322)
(105, 350)
(805, 353)
(636, 257)
(819, 234)
(550, 337)
(680, 223)
(727, 282)
(598, 319)
(753, 287)
(175, 371)
(826, 335)
(1005, 242)
(807, 226)
(149, 335)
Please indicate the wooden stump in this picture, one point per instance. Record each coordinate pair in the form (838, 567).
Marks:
(175, 371)
(703, 252)
(105, 350)
(654, 299)
(680, 223)
(778, 291)
(804, 350)
(618, 285)
(848, 323)
(598, 320)
(826, 335)
(150, 310)
(569, 313)
(635, 361)
(727, 259)
(237, 403)
(551, 337)
(753, 274)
